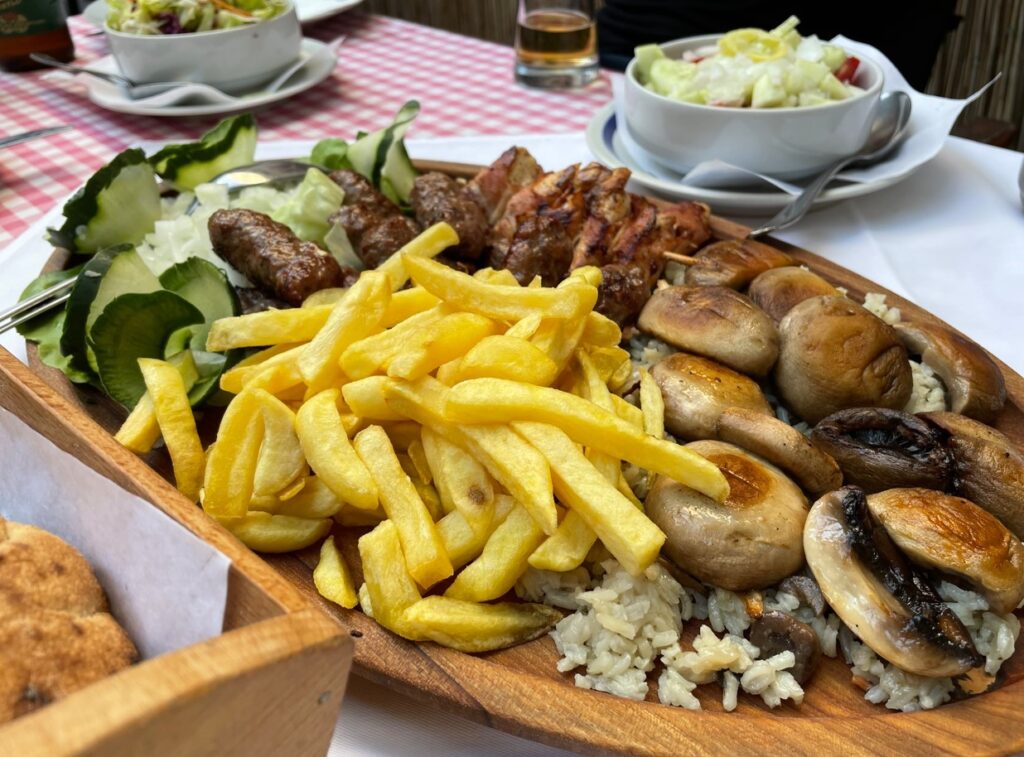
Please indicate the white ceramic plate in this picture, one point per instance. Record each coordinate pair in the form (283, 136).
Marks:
(321, 63)
(605, 142)
(307, 10)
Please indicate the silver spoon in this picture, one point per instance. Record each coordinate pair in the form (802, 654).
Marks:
(260, 173)
(887, 131)
(133, 90)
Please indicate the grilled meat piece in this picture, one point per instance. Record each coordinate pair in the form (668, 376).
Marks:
(375, 226)
(494, 185)
(436, 197)
(623, 292)
(271, 256)
(540, 246)
(254, 300)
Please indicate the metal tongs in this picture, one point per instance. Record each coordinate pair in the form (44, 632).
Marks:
(37, 305)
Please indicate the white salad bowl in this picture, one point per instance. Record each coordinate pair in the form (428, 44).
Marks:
(786, 143)
(233, 60)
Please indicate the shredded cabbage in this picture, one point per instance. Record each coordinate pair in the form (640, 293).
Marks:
(184, 16)
(306, 212)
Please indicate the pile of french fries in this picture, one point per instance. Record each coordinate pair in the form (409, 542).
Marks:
(470, 421)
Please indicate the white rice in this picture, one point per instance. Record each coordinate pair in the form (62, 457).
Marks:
(928, 393)
(874, 303)
(625, 626)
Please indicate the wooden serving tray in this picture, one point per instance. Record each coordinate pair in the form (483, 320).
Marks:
(519, 690)
(271, 683)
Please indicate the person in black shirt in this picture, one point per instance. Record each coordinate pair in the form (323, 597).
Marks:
(909, 32)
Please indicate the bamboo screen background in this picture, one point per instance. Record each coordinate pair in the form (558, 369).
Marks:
(989, 40)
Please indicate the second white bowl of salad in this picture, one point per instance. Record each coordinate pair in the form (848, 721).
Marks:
(773, 102)
(234, 45)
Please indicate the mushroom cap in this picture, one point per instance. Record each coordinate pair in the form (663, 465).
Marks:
(715, 322)
(750, 541)
(989, 467)
(782, 445)
(860, 596)
(697, 390)
(953, 535)
(774, 632)
(834, 354)
(734, 263)
(878, 449)
(779, 290)
(974, 382)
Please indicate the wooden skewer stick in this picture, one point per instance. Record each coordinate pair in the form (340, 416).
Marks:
(675, 257)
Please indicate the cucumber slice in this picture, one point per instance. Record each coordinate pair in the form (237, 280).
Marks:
(210, 365)
(331, 154)
(229, 144)
(398, 174)
(120, 203)
(206, 287)
(133, 326)
(369, 153)
(108, 274)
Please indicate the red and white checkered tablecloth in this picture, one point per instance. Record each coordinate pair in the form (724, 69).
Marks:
(465, 86)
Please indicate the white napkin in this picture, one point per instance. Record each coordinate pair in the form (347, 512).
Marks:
(931, 119)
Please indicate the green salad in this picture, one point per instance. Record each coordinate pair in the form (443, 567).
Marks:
(753, 68)
(187, 16)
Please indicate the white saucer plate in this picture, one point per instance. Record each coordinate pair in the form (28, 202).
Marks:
(308, 10)
(321, 63)
(607, 145)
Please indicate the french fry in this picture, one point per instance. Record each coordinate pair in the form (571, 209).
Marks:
(448, 373)
(421, 544)
(511, 462)
(266, 328)
(633, 415)
(329, 296)
(510, 357)
(280, 461)
(407, 303)
(601, 331)
(240, 375)
(354, 317)
(587, 274)
(401, 433)
(652, 405)
(365, 397)
(609, 362)
(140, 430)
(295, 487)
(264, 532)
(500, 302)
(314, 500)
(390, 587)
(461, 542)
(430, 499)
(332, 577)
(473, 627)
(461, 479)
(330, 454)
(493, 401)
(439, 342)
(166, 387)
(627, 533)
(526, 327)
(350, 516)
(372, 354)
(419, 460)
(231, 461)
(504, 558)
(499, 276)
(277, 379)
(430, 243)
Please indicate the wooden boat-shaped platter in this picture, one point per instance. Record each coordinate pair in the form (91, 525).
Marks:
(518, 690)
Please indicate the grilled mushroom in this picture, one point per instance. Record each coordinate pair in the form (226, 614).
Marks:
(774, 632)
(806, 590)
(834, 354)
(779, 290)
(975, 383)
(697, 390)
(955, 536)
(989, 468)
(750, 541)
(886, 601)
(733, 263)
(716, 322)
(780, 444)
(881, 449)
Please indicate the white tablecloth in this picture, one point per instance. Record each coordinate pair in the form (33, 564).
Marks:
(950, 238)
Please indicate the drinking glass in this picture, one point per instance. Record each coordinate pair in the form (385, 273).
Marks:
(556, 43)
